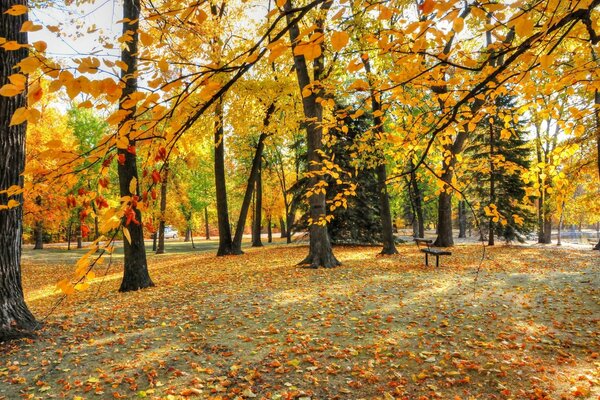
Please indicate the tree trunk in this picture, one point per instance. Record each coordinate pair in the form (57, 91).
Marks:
(15, 318)
(135, 273)
(320, 251)
(39, 227)
(462, 219)
(387, 231)
(206, 226)
(69, 235)
(547, 229)
(256, 223)
(154, 240)
(597, 114)
(163, 209)
(282, 228)
(560, 225)
(269, 230)
(225, 241)
(418, 201)
(188, 234)
(79, 237)
(492, 185)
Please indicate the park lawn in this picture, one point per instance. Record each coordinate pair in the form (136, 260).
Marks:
(523, 325)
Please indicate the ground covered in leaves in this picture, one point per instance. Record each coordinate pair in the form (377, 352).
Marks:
(256, 326)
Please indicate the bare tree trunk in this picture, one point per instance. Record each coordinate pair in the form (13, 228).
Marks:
(462, 219)
(39, 228)
(79, 238)
(225, 241)
(188, 234)
(597, 114)
(163, 209)
(282, 228)
(269, 230)
(256, 223)
(560, 224)
(387, 231)
(69, 235)
(320, 251)
(135, 274)
(15, 318)
(418, 201)
(206, 226)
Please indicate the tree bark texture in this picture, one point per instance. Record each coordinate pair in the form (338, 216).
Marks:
(282, 228)
(225, 241)
(256, 223)
(462, 219)
(387, 230)
(39, 228)
(206, 226)
(15, 318)
(418, 201)
(163, 209)
(135, 274)
(254, 172)
(320, 251)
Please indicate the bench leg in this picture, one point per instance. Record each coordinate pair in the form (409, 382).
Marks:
(426, 259)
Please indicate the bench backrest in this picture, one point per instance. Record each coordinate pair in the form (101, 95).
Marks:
(421, 242)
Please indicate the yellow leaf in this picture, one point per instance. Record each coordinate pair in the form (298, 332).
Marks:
(524, 26)
(163, 65)
(133, 185)
(12, 45)
(281, 3)
(29, 26)
(146, 39)
(40, 46)
(355, 65)
(339, 40)
(19, 116)
(12, 203)
(458, 25)
(427, 6)
(10, 90)
(16, 9)
(126, 234)
(18, 80)
(65, 286)
(29, 64)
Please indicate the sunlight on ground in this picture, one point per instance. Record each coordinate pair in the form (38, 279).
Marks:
(376, 327)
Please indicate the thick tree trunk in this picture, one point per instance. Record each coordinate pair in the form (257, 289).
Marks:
(206, 226)
(225, 241)
(15, 318)
(163, 209)
(256, 223)
(547, 238)
(320, 250)
(188, 234)
(135, 273)
(38, 230)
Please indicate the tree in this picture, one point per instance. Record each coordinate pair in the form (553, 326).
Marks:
(15, 318)
(135, 275)
(320, 251)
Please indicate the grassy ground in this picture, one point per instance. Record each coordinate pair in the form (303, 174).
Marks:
(256, 326)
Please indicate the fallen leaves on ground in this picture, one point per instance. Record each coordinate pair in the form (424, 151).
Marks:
(257, 326)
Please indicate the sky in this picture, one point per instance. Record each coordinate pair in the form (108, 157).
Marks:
(74, 23)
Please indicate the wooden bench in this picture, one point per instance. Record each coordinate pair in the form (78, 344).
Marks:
(425, 246)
